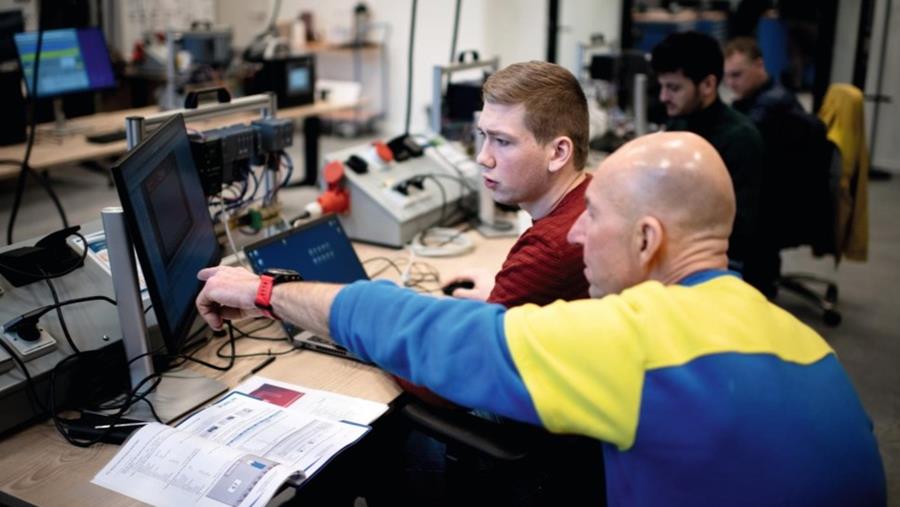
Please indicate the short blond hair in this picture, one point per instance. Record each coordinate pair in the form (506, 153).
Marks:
(554, 102)
(744, 45)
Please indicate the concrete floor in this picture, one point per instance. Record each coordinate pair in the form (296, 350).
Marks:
(867, 342)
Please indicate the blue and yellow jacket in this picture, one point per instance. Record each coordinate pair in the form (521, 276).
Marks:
(704, 393)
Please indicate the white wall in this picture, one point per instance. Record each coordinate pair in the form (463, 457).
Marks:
(579, 19)
(845, 41)
(886, 153)
(513, 30)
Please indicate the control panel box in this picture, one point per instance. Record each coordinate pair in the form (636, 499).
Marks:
(392, 201)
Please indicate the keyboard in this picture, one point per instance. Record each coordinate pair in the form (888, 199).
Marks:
(106, 137)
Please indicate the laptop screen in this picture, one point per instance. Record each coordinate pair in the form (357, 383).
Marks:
(319, 250)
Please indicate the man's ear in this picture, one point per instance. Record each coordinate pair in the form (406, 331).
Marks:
(562, 152)
(707, 85)
(651, 237)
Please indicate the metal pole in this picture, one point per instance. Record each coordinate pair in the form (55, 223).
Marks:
(640, 104)
(134, 131)
(128, 294)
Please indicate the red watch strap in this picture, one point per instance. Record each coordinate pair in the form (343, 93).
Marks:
(264, 295)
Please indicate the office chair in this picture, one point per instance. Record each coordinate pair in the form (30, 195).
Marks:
(797, 203)
(510, 463)
(842, 114)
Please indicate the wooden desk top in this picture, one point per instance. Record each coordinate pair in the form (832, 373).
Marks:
(50, 151)
(38, 466)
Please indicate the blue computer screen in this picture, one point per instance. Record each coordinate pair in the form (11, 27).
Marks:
(72, 60)
(298, 80)
(319, 251)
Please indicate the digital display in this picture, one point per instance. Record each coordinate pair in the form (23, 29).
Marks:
(320, 251)
(298, 80)
(72, 60)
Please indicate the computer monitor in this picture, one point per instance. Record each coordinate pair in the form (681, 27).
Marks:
(168, 221)
(72, 60)
(292, 78)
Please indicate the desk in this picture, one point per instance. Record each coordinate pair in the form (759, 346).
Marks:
(38, 466)
(49, 151)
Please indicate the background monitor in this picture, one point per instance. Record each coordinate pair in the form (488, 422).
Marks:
(298, 79)
(72, 60)
(168, 221)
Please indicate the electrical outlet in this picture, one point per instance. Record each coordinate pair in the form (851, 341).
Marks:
(27, 349)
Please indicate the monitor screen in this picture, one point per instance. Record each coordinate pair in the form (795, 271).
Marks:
(72, 60)
(298, 79)
(319, 250)
(168, 220)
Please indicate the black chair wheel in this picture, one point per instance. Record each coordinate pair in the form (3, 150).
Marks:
(831, 317)
(831, 294)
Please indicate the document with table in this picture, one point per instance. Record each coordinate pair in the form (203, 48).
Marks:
(240, 450)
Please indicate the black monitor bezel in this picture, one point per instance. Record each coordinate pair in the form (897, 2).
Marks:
(174, 339)
(38, 96)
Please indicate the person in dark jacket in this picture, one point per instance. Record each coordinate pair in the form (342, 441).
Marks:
(795, 182)
(689, 68)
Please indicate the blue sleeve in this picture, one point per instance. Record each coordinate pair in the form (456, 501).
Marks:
(455, 347)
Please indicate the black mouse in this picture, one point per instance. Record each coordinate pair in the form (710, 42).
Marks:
(458, 284)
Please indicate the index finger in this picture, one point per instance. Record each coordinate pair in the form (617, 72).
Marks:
(207, 273)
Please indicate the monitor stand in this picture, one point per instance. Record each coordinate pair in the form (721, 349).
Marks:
(60, 128)
(180, 391)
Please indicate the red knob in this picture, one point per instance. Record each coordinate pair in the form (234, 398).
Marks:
(333, 172)
(384, 153)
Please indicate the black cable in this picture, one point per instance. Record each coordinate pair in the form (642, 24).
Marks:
(231, 340)
(234, 355)
(250, 335)
(455, 31)
(42, 181)
(73, 301)
(32, 127)
(409, 67)
(463, 182)
(43, 275)
(443, 216)
(62, 424)
(390, 264)
(36, 406)
(59, 315)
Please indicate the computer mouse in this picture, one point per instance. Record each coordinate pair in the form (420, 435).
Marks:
(458, 284)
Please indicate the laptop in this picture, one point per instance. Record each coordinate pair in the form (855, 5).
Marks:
(321, 252)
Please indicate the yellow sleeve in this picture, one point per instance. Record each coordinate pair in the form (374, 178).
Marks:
(583, 364)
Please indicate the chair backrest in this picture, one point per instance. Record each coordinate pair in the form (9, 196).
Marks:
(843, 114)
(797, 204)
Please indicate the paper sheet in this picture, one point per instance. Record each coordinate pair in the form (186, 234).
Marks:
(322, 404)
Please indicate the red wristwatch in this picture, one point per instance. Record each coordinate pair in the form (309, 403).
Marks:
(267, 282)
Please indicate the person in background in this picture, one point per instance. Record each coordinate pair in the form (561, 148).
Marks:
(689, 68)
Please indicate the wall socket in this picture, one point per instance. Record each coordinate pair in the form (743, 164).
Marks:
(28, 350)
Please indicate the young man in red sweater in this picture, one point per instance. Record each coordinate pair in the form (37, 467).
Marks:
(535, 130)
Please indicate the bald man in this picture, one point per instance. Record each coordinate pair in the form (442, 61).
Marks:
(703, 391)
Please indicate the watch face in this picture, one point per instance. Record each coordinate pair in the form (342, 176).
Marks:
(283, 275)
(275, 272)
